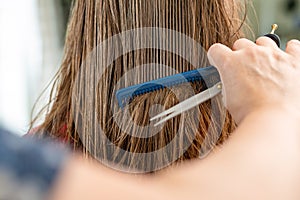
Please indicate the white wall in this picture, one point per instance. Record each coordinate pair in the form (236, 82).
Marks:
(29, 56)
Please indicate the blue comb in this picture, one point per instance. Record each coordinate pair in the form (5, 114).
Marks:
(125, 95)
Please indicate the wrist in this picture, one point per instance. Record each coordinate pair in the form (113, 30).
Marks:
(273, 121)
(286, 111)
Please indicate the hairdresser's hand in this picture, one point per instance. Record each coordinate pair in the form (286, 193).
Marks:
(258, 76)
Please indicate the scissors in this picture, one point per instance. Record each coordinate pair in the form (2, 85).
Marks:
(188, 104)
(203, 96)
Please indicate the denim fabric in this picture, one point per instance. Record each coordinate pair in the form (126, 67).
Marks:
(28, 168)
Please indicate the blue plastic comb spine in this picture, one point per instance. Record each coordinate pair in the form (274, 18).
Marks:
(125, 95)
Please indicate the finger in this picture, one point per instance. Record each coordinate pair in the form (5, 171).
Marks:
(217, 54)
(242, 43)
(266, 41)
(293, 47)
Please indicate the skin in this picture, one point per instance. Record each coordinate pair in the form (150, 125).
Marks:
(260, 161)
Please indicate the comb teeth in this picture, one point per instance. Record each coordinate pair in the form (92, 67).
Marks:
(125, 95)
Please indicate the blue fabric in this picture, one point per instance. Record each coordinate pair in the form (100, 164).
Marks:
(28, 163)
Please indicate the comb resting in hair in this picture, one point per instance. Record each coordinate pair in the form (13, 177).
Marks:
(125, 95)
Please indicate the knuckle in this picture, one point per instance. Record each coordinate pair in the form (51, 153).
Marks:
(214, 47)
(239, 42)
(242, 40)
(260, 39)
(293, 42)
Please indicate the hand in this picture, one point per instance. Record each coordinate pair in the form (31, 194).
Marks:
(258, 75)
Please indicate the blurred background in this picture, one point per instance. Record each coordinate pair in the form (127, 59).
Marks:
(32, 36)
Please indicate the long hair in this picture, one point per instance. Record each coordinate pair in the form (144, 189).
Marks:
(82, 107)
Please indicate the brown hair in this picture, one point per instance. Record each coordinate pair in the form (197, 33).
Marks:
(79, 102)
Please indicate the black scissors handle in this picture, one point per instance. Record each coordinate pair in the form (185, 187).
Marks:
(273, 36)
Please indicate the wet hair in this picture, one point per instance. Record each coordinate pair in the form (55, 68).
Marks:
(82, 108)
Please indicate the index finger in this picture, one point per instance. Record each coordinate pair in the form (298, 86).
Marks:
(217, 54)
